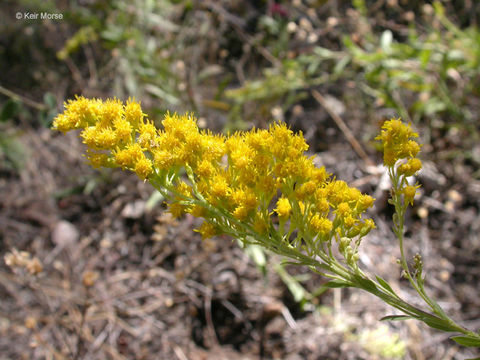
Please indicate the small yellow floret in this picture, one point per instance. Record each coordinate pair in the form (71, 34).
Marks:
(205, 169)
(409, 193)
(240, 213)
(343, 210)
(349, 222)
(147, 135)
(123, 130)
(106, 139)
(207, 230)
(62, 123)
(197, 211)
(321, 225)
(367, 227)
(176, 209)
(219, 187)
(364, 202)
(143, 168)
(184, 189)
(79, 113)
(411, 167)
(133, 113)
(283, 208)
(110, 110)
(306, 190)
(98, 160)
(127, 157)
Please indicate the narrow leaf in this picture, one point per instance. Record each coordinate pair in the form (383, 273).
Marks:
(366, 284)
(438, 324)
(296, 289)
(332, 284)
(384, 284)
(466, 341)
(395, 318)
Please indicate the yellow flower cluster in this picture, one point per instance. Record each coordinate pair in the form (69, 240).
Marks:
(234, 181)
(396, 138)
(398, 144)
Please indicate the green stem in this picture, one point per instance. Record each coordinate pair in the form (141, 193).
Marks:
(399, 224)
(323, 263)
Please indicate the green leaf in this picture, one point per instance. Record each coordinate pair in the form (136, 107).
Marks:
(395, 318)
(9, 110)
(257, 254)
(13, 151)
(366, 284)
(341, 65)
(466, 341)
(298, 291)
(154, 199)
(438, 324)
(384, 284)
(50, 100)
(332, 284)
(161, 94)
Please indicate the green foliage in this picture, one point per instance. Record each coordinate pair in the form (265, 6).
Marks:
(10, 109)
(140, 36)
(12, 153)
(430, 71)
(466, 341)
(381, 342)
(83, 36)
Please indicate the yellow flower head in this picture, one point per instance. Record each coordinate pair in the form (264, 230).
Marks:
(283, 208)
(176, 209)
(411, 167)
(133, 113)
(409, 193)
(110, 110)
(207, 230)
(123, 130)
(98, 159)
(364, 202)
(127, 157)
(343, 210)
(197, 211)
(306, 190)
(321, 225)
(241, 212)
(78, 114)
(396, 139)
(105, 138)
(147, 137)
(219, 187)
(143, 167)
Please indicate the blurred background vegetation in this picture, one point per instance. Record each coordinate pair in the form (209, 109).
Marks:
(239, 64)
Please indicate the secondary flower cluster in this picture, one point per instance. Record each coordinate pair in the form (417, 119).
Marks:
(241, 184)
(400, 149)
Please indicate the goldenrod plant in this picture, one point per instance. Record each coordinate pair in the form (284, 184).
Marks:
(259, 187)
